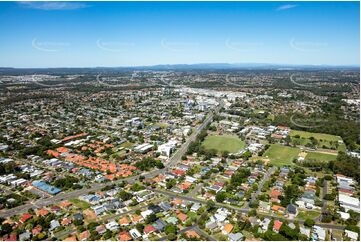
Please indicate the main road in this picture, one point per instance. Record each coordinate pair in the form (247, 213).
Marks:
(176, 158)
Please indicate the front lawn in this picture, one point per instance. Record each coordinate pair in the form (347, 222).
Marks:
(308, 214)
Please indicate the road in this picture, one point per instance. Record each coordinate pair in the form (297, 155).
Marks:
(242, 210)
(194, 192)
(98, 186)
(204, 234)
(198, 200)
(324, 201)
(260, 186)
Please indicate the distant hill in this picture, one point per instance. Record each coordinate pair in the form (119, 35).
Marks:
(175, 67)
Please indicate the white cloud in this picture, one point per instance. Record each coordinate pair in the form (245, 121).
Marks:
(53, 5)
(285, 7)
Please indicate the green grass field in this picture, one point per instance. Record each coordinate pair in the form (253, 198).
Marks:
(308, 214)
(221, 143)
(80, 204)
(324, 140)
(320, 156)
(319, 136)
(280, 155)
(127, 145)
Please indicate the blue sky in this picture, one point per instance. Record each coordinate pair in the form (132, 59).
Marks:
(89, 34)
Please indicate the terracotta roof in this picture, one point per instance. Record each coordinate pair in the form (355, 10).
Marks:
(71, 238)
(124, 236)
(275, 193)
(277, 225)
(124, 221)
(36, 230)
(149, 229)
(65, 204)
(136, 218)
(42, 212)
(228, 228)
(84, 235)
(66, 221)
(192, 234)
(183, 217)
(25, 217)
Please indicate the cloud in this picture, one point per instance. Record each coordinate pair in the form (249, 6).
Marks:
(53, 5)
(285, 7)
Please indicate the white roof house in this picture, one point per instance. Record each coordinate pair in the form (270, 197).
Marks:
(319, 232)
(135, 234)
(112, 225)
(146, 213)
(344, 215)
(305, 231)
(352, 235)
(167, 148)
(349, 203)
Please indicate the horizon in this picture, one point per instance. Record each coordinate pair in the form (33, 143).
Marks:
(146, 34)
(231, 66)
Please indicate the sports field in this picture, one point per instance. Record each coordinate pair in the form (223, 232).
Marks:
(229, 143)
(320, 156)
(280, 155)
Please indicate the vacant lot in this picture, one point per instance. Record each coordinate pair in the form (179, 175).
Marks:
(221, 143)
(80, 204)
(280, 155)
(320, 156)
(308, 215)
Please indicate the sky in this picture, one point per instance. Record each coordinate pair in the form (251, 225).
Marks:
(112, 34)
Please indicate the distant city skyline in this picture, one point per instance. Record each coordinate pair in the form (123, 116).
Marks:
(125, 34)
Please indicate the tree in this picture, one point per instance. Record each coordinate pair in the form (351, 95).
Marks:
(170, 229)
(5, 229)
(171, 183)
(289, 233)
(139, 227)
(210, 204)
(246, 155)
(221, 196)
(171, 237)
(150, 218)
(309, 222)
(125, 196)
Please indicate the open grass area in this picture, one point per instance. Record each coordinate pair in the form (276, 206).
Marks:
(320, 156)
(327, 141)
(229, 143)
(162, 125)
(280, 155)
(127, 145)
(308, 214)
(319, 136)
(80, 204)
